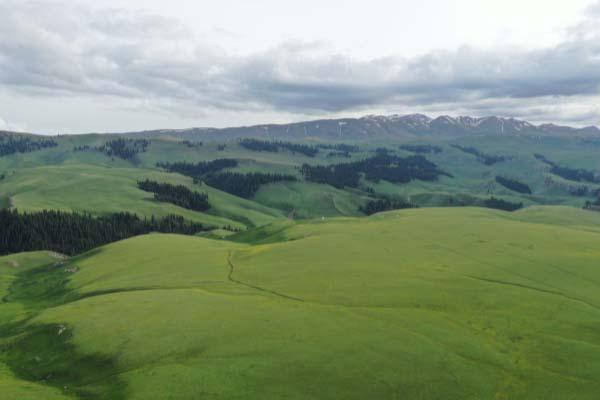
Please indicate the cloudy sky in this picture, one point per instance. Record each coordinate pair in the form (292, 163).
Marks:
(99, 66)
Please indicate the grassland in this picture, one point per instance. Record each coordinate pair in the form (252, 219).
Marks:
(12, 313)
(310, 200)
(102, 190)
(418, 304)
(309, 300)
(63, 179)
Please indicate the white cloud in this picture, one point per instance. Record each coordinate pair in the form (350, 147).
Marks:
(6, 126)
(594, 9)
(150, 62)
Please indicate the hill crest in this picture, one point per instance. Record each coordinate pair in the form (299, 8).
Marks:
(382, 127)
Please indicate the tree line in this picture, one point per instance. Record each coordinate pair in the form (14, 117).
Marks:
(21, 144)
(499, 204)
(244, 185)
(487, 159)
(75, 233)
(421, 148)
(126, 149)
(238, 184)
(383, 151)
(274, 146)
(592, 205)
(379, 167)
(178, 195)
(199, 169)
(579, 191)
(191, 144)
(571, 174)
(513, 185)
(385, 204)
(343, 154)
(349, 148)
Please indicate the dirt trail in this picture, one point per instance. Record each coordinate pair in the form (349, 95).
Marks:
(232, 279)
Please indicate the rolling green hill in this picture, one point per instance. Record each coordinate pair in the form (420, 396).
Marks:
(61, 177)
(99, 183)
(293, 292)
(416, 304)
(101, 190)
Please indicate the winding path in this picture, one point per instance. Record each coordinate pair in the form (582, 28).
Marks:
(232, 279)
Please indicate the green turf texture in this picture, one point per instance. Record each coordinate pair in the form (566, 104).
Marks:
(459, 303)
(102, 190)
(63, 179)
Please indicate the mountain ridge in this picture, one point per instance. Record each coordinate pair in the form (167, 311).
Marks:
(374, 127)
(382, 126)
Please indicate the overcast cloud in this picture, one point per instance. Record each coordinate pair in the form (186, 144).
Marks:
(104, 69)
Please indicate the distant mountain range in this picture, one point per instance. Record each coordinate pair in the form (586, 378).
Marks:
(379, 126)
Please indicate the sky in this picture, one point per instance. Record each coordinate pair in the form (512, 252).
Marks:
(109, 66)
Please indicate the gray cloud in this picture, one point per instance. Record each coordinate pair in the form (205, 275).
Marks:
(9, 126)
(594, 9)
(49, 49)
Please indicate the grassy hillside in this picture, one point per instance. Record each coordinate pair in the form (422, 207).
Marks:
(418, 304)
(101, 190)
(11, 386)
(62, 178)
(310, 200)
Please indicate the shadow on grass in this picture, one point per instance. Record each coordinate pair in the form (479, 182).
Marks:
(45, 354)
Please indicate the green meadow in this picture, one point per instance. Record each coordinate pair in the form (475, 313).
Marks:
(294, 293)
(64, 179)
(101, 190)
(454, 303)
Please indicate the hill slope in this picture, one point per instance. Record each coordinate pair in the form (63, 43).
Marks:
(420, 304)
(76, 174)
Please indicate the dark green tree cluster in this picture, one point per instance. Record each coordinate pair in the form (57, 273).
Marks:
(198, 170)
(74, 233)
(127, 149)
(592, 205)
(513, 185)
(385, 204)
(123, 148)
(259, 145)
(176, 194)
(343, 154)
(383, 151)
(421, 148)
(500, 204)
(487, 159)
(11, 144)
(84, 147)
(275, 146)
(579, 191)
(401, 170)
(340, 147)
(243, 185)
(577, 175)
(337, 175)
(238, 184)
(191, 144)
(379, 167)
